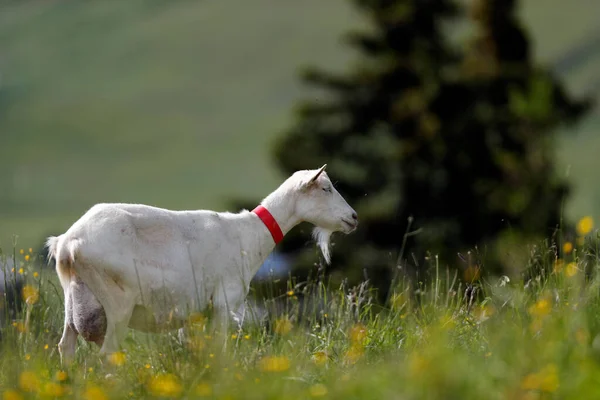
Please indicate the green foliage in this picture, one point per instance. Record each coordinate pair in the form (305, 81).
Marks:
(459, 141)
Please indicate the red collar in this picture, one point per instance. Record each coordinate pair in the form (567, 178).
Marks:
(269, 222)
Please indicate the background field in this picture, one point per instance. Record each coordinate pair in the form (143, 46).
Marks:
(175, 103)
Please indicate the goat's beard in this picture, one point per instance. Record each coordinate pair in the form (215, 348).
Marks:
(322, 236)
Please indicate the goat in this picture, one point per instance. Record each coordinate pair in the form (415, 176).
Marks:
(138, 266)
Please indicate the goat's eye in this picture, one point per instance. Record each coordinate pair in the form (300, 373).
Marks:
(327, 189)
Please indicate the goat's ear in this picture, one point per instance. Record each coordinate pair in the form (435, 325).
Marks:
(319, 172)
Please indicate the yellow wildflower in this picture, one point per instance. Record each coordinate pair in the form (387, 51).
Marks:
(585, 225)
(320, 357)
(21, 251)
(567, 247)
(30, 250)
(28, 381)
(541, 308)
(46, 347)
(147, 366)
(418, 364)
(290, 293)
(11, 394)
(61, 376)
(27, 257)
(197, 319)
(53, 389)
(530, 382)
(36, 274)
(545, 380)
(558, 266)
(353, 354)
(117, 358)
(166, 385)
(318, 390)
(21, 271)
(20, 326)
(247, 337)
(274, 364)
(27, 357)
(571, 269)
(484, 312)
(94, 393)
(30, 294)
(358, 333)
(203, 390)
(283, 326)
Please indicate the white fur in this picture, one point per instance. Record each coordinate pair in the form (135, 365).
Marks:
(322, 236)
(142, 265)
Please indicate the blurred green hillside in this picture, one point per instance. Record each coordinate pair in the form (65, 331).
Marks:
(175, 103)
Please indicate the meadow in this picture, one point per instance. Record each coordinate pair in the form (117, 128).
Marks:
(458, 336)
(176, 104)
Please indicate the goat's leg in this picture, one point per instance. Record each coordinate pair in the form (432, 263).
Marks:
(68, 341)
(116, 329)
(220, 324)
(118, 309)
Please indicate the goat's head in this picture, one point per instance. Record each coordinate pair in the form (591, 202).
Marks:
(319, 203)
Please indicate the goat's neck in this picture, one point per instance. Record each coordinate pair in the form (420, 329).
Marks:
(257, 246)
(282, 208)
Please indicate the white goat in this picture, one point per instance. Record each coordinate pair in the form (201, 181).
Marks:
(134, 265)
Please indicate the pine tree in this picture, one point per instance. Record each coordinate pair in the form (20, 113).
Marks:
(455, 147)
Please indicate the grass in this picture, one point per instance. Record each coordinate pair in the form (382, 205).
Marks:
(176, 103)
(534, 336)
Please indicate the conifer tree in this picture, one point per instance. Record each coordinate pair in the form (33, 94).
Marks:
(453, 146)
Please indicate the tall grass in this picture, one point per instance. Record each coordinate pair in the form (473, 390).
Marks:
(532, 337)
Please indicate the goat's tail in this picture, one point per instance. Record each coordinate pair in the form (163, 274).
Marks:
(52, 245)
(62, 251)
